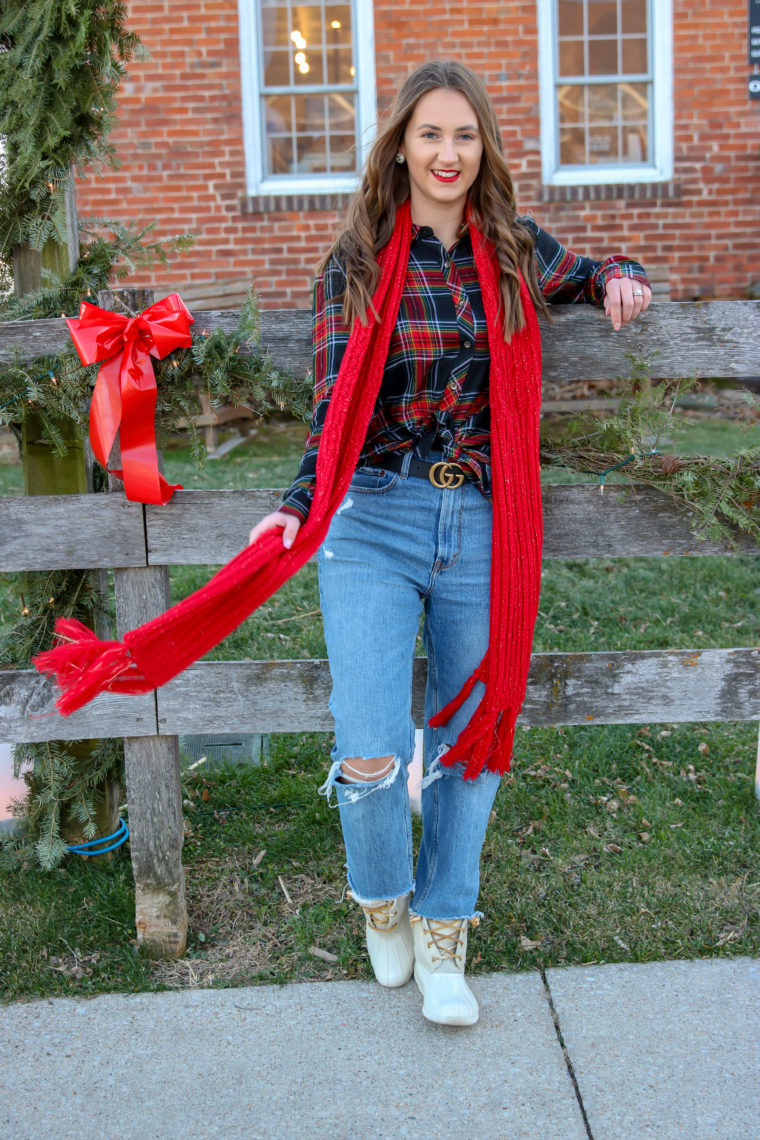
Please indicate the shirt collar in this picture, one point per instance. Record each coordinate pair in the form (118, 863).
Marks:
(425, 233)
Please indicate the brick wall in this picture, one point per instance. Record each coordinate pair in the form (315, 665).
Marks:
(181, 146)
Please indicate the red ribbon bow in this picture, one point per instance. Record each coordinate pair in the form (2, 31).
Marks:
(125, 389)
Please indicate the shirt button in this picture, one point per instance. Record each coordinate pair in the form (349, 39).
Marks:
(468, 344)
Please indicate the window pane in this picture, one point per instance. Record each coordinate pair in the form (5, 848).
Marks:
(310, 114)
(339, 64)
(278, 122)
(572, 146)
(308, 67)
(634, 16)
(311, 154)
(634, 56)
(603, 144)
(603, 103)
(274, 27)
(307, 22)
(634, 100)
(570, 14)
(571, 58)
(602, 18)
(342, 114)
(276, 68)
(603, 57)
(339, 14)
(636, 143)
(278, 111)
(342, 155)
(572, 104)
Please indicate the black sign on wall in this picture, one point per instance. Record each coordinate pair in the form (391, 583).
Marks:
(753, 49)
(754, 32)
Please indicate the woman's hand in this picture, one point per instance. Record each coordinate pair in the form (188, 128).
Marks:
(624, 299)
(278, 518)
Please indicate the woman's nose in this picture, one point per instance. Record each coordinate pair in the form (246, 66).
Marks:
(447, 151)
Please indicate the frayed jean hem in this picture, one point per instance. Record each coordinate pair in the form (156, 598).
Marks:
(476, 916)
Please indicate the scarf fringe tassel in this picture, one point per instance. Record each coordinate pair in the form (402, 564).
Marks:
(486, 741)
(85, 666)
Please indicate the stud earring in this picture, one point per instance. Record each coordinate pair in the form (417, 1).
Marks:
(400, 159)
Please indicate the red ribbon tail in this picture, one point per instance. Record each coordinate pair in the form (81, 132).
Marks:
(85, 666)
(105, 409)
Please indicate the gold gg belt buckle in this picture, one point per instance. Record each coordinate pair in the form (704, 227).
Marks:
(446, 475)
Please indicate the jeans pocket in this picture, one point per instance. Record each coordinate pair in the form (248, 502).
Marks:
(373, 480)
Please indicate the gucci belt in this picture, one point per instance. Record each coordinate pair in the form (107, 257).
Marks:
(445, 474)
(441, 473)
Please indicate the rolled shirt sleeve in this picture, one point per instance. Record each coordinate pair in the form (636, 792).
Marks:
(568, 278)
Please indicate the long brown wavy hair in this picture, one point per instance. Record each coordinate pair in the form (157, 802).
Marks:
(385, 185)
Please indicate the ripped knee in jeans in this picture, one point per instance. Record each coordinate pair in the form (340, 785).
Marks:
(359, 769)
(359, 776)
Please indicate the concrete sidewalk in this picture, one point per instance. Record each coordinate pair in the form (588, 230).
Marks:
(622, 1052)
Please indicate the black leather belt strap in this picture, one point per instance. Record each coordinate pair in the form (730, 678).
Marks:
(440, 473)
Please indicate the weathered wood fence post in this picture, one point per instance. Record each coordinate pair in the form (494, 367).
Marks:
(151, 763)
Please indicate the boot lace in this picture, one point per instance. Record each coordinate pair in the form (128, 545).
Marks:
(382, 915)
(447, 935)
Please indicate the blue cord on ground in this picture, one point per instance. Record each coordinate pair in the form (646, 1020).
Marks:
(94, 846)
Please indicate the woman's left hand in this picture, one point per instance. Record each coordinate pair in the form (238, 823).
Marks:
(624, 299)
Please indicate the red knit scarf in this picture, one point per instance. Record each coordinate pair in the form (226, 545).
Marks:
(155, 652)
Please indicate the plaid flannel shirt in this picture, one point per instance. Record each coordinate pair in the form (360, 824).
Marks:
(436, 374)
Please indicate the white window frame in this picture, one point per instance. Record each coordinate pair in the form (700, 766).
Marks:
(660, 169)
(364, 55)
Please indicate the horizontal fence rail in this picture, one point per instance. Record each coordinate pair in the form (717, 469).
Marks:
(672, 686)
(707, 339)
(206, 528)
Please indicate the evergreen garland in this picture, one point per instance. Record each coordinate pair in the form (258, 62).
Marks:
(61, 63)
(722, 493)
(102, 259)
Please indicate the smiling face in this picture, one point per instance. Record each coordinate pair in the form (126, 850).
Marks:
(443, 146)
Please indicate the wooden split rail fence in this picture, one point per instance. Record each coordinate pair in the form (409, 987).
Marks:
(718, 339)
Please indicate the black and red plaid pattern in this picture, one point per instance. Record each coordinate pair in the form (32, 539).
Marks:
(436, 373)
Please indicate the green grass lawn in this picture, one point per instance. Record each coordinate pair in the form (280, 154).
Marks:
(608, 843)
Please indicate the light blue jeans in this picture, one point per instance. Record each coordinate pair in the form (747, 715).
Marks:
(396, 546)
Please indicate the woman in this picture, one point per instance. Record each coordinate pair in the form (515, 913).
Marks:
(443, 512)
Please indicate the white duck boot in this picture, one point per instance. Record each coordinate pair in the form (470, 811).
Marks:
(440, 948)
(389, 939)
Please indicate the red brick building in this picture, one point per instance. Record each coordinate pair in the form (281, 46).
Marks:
(627, 124)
